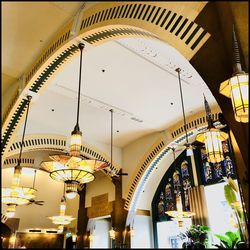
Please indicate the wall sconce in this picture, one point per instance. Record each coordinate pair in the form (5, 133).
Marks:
(236, 87)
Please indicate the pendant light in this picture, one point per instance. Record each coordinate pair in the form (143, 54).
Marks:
(178, 214)
(111, 231)
(188, 146)
(16, 195)
(236, 87)
(76, 135)
(71, 168)
(61, 220)
(212, 138)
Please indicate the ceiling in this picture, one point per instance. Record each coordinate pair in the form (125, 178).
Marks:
(22, 41)
(134, 76)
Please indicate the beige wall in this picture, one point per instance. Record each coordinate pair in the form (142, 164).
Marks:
(132, 154)
(101, 185)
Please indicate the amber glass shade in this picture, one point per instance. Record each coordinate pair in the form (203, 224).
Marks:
(236, 88)
(75, 143)
(213, 142)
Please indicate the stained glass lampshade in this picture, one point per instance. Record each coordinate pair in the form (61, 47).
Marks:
(72, 171)
(236, 88)
(213, 138)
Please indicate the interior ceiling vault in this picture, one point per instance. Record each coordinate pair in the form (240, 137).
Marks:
(134, 76)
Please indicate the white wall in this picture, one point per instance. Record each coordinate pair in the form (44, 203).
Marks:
(218, 210)
(100, 234)
(168, 230)
(143, 236)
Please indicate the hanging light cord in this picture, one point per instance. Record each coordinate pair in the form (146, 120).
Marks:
(182, 104)
(111, 132)
(81, 46)
(24, 129)
(34, 179)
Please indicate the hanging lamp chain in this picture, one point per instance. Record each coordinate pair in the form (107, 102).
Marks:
(34, 179)
(77, 128)
(236, 54)
(178, 70)
(111, 133)
(24, 129)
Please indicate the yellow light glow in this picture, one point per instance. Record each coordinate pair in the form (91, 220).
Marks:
(16, 179)
(132, 232)
(179, 213)
(236, 88)
(74, 237)
(18, 195)
(12, 240)
(213, 142)
(62, 209)
(61, 220)
(75, 144)
(10, 213)
(112, 233)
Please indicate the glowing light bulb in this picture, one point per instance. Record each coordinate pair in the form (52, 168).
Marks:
(189, 152)
(10, 213)
(71, 195)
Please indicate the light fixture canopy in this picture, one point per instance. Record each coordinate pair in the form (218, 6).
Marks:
(212, 138)
(236, 87)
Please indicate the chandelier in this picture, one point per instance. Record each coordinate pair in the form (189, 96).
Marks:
(61, 220)
(71, 168)
(178, 214)
(236, 87)
(16, 195)
(212, 138)
(72, 171)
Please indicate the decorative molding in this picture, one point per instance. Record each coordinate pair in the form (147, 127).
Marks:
(153, 156)
(142, 212)
(143, 165)
(169, 23)
(193, 121)
(25, 162)
(57, 143)
(103, 22)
